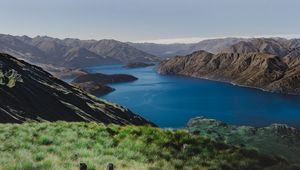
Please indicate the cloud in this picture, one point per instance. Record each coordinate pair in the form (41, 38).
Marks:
(198, 39)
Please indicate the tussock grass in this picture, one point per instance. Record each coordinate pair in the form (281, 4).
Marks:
(61, 145)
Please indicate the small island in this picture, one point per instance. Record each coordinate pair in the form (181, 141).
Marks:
(96, 83)
(138, 65)
(104, 78)
(96, 89)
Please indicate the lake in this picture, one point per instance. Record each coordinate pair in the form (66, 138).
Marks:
(170, 101)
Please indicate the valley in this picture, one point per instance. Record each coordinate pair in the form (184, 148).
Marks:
(150, 85)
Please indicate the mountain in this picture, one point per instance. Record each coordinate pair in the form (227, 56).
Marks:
(81, 57)
(258, 70)
(72, 52)
(275, 46)
(163, 50)
(120, 51)
(14, 46)
(52, 47)
(276, 139)
(171, 50)
(215, 45)
(29, 93)
(138, 65)
(116, 51)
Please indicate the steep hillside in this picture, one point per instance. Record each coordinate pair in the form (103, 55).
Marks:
(63, 72)
(276, 139)
(259, 70)
(29, 93)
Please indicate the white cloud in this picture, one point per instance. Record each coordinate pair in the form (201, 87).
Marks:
(198, 39)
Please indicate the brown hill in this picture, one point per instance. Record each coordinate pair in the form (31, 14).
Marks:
(259, 70)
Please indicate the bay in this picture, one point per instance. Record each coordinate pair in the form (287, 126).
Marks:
(170, 101)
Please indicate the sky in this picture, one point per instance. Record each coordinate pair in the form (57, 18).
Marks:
(165, 21)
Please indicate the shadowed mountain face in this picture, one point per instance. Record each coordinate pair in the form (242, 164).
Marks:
(72, 52)
(29, 93)
(249, 67)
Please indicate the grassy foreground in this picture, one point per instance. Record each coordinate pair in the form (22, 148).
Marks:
(61, 145)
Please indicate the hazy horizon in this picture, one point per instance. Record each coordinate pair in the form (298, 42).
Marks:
(168, 21)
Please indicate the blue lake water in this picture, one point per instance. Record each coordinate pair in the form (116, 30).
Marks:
(170, 101)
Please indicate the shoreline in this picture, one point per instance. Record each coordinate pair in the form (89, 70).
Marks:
(229, 82)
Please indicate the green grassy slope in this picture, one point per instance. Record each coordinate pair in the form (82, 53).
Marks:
(62, 145)
(276, 139)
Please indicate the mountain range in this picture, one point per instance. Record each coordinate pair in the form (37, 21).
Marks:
(72, 52)
(274, 46)
(269, 64)
(171, 50)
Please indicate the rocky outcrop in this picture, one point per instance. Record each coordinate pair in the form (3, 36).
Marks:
(27, 92)
(258, 70)
(276, 139)
(138, 65)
